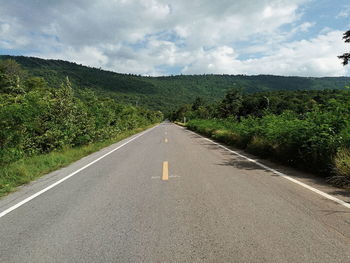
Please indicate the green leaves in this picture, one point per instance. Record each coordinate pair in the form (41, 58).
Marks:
(310, 142)
(42, 119)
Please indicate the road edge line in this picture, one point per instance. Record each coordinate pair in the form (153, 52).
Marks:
(287, 177)
(26, 200)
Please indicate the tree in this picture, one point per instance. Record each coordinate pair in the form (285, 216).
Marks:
(11, 75)
(11, 68)
(346, 56)
(35, 83)
(231, 104)
(197, 103)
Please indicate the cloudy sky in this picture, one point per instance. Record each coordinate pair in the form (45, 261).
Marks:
(162, 37)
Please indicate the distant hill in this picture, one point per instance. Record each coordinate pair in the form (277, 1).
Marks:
(166, 93)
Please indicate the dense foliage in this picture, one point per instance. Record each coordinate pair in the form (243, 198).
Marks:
(36, 118)
(306, 129)
(165, 93)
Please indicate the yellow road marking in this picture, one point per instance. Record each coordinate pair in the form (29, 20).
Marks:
(165, 171)
(166, 140)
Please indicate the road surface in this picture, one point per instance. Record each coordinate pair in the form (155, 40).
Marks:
(169, 195)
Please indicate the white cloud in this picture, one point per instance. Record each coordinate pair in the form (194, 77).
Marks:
(344, 13)
(144, 36)
(219, 60)
(315, 57)
(87, 55)
(304, 27)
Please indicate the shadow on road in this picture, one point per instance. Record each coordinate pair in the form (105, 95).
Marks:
(332, 212)
(241, 163)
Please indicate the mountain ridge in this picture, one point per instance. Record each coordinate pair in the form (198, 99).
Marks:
(166, 92)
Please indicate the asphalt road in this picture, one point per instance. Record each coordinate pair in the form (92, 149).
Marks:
(172, 196)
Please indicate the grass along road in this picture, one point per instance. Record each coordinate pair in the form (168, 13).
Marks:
(27, 169)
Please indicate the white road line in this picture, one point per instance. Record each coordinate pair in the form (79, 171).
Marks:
(328, 196)
(3, 213)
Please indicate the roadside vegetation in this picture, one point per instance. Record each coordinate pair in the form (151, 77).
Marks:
(164, 93)
(45, 127)
(305, 129)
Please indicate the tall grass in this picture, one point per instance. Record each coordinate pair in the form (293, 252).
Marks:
(342, 168)
(311, 143)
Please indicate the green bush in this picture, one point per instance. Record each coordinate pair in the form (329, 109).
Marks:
(260, 146)
(36, 119)
(310, 142)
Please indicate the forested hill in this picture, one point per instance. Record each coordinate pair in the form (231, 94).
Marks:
(166, 93)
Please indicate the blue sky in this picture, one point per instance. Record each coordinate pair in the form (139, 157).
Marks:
(159, 37)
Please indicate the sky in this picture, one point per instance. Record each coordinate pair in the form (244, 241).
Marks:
(163, 37)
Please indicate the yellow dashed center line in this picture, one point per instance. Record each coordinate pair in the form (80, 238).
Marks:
(166, 140)
(165, 176)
